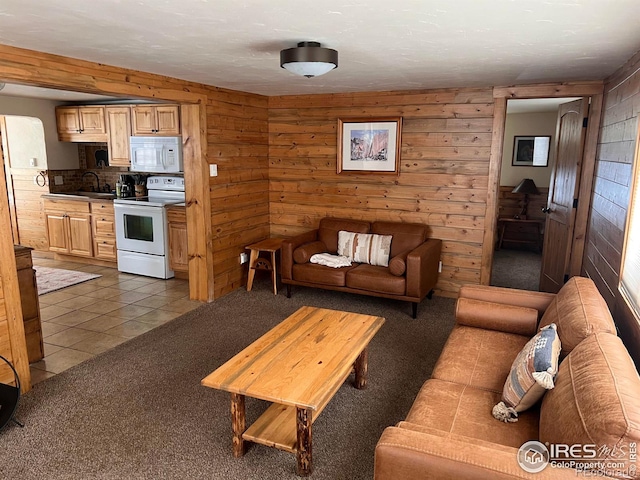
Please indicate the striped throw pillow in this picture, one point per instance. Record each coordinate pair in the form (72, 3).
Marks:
(365, 247)
(532, 373)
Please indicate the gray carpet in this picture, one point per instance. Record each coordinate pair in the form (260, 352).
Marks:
(516, 269)
(139, 412)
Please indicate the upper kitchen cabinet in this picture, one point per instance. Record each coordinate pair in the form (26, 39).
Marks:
(119, 123)
(81, 124)
(156, 120)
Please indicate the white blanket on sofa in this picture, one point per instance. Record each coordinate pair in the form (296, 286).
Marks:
(334, 261)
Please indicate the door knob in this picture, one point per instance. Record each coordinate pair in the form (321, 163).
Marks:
(546, 210)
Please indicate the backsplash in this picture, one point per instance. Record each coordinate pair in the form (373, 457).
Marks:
(72, 180)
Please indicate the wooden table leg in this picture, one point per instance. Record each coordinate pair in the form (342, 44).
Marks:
(238, 423)
(252, 271)
(273, 273)
(362, 369)
(303, 447)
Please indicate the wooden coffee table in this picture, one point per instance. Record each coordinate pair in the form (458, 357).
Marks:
(298, 365)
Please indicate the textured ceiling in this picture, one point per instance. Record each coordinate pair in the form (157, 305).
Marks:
(383, 45)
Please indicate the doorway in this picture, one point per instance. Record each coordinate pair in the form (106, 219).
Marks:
(530, 127)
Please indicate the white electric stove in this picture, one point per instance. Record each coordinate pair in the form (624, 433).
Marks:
(142, 227)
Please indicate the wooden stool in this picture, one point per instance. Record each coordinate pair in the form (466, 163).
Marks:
(256, 262)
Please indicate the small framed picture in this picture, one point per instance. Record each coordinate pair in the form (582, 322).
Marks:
(531, 151)
(369, 145)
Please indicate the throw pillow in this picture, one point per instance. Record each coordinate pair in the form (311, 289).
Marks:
(532, 374)
(365, 247)
(398, 264)
(303, 253)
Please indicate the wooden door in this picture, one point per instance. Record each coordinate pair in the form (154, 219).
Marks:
(57, 232)
(563, 194)
(92, 120)
(143, 119)
(68, 120)
(119, 122)
(80, 238)
(167, 118)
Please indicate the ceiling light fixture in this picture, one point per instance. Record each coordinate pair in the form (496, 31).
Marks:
(309, 59)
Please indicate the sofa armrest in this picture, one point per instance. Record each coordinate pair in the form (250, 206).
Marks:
(288, 246)
(508, 296)
(422, 268)
(497, 316)
(407, 454)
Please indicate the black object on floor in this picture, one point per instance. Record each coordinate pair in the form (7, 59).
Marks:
(9, 397)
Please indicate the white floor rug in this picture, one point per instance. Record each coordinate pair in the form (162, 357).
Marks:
(52, 279)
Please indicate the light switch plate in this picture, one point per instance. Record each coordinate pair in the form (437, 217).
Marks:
(213, 170)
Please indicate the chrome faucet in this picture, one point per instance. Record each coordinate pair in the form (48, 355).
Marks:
(95, 189)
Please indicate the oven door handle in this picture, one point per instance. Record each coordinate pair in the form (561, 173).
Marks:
(133, 207)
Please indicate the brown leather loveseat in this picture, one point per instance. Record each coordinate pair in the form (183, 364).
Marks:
(591, 417)
(411, 275)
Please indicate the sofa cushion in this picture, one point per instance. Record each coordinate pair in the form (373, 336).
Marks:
(531, 375)
(478, 357)
(329, 228)
(398, 264)
(314, 273)
(595, 399)
(365, 247)
(303, 253)
(464, 410)
(406, 236)
(375, 279)
(578, 310)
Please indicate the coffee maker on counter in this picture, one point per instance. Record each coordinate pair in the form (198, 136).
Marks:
(125, 186)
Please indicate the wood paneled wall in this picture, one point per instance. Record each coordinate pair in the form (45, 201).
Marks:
(28, 204)
(238, 144)
(446, 143)
(610, 198)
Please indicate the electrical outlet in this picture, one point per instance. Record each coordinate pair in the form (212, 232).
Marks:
(244, 258)
(213, 170)
(440, 267)
(58, 179)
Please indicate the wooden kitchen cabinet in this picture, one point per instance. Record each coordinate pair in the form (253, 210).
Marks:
(178, 257)
(30, 304)
(104, 231)
(119, 131)
(81, 124)
(68, 226)
(155, 120)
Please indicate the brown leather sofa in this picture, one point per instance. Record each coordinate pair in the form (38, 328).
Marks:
(450, 431)
(411, 275)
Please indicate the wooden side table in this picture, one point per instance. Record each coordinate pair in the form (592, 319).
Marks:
(530, 229)
(256, 262)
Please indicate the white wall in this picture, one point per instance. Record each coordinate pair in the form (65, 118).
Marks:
(60, 155)
(25, 142)
(527, 124)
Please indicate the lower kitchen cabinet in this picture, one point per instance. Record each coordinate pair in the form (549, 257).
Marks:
(29, 301)
(104, 231)
(178, 257)
(69, 227)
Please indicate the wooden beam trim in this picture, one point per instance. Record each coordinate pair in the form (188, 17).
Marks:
(493, 187)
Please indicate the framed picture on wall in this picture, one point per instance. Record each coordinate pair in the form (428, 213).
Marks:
(531, 151)
(369, 145)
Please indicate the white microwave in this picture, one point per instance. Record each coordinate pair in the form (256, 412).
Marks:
(156, 154)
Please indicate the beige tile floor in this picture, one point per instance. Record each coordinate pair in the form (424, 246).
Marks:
(83, 320)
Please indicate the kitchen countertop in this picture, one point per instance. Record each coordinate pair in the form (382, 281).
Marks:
(80, 196)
